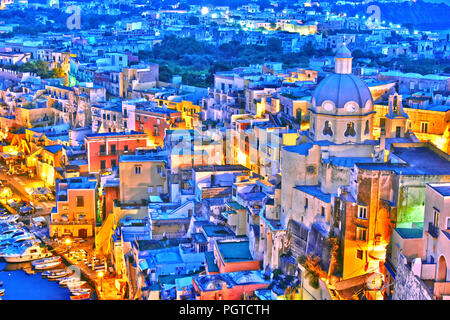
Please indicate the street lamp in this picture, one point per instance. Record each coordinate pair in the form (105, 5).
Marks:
(100, 275)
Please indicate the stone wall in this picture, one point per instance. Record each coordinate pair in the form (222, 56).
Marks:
(407, 285)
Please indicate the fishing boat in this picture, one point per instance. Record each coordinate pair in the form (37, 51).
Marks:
(60, 274)
(48, 265)
(47, 273)
(46, 260)
(64, 281)
(2, 292)
(74, 285)
(80, 296)
(32, 252)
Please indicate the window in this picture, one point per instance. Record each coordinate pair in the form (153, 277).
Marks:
(327, 129)
(80, 201)
(448, 223)
(103, 164)
(125, 148)
(113, 163)
(367, 130)
(150, 189)
(322, 212)
(125, 125)
(361, 234)
(350, 132)
(113, 149)
(159, 189)
(155, 131)
(137, 169)
(436, 218)
(362, 212)
(359, 254)
(424, 127)
(102, 148)
(306, 203)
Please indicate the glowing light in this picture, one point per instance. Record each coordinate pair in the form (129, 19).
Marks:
(68, 241)
(214, 16)
(204, 10)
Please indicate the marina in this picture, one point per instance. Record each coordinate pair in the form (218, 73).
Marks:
(32, 270)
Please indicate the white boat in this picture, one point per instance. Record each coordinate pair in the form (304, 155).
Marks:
(74, 285)
(60, 274)
(33, 252)
(48, 265)
(16, 237)
(46, 260)
(65, 280)
(47, 273)
(17, 247)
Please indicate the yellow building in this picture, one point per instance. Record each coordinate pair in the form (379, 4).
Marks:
(189, 111)
(427, 122)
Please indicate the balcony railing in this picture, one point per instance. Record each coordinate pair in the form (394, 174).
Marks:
(110, 153)
(433, 230)
(73, 222)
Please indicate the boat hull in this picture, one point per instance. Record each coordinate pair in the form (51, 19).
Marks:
(25, 258)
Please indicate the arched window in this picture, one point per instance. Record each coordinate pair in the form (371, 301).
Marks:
(327, 129)
(367, 130)
(350, 130)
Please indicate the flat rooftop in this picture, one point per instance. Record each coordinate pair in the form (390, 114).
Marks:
(441, 188)
(234, 251)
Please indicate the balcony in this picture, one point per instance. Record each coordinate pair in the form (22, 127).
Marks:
(73, 222)
(433, 230)
(110, 153)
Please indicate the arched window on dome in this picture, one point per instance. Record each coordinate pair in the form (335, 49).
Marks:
(327, 129)
(350, 130)
(367, 129)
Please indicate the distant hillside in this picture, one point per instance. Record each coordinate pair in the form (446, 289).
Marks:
(422, 15)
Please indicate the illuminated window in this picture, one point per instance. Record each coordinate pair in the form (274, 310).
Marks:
(362, 212)
(350, 130)
(361, 234)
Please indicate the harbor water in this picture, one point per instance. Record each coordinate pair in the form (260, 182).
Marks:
(19, 285)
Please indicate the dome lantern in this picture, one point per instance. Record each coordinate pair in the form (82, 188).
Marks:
(343, 60)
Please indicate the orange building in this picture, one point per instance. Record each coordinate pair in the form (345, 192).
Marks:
(75, 213)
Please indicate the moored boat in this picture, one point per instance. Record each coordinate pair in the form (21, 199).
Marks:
(45, 274)
(75, 285)
(2, 292)
(48, 265)
(59, 274)
(80, 296)
(46, 260)
(29, 253)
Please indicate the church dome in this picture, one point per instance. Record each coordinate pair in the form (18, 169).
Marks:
(342, 89)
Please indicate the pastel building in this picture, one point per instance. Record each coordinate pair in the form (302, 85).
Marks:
(76, 208)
